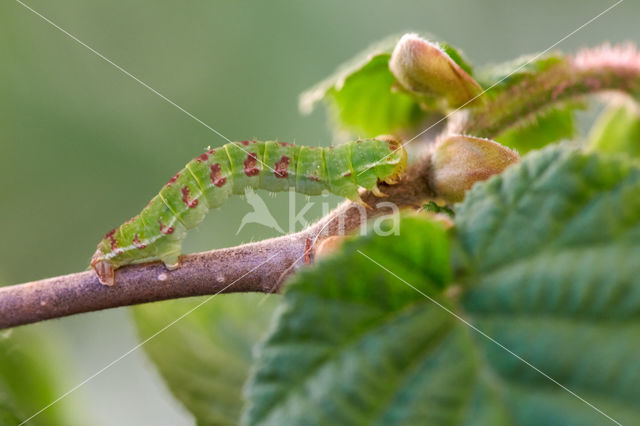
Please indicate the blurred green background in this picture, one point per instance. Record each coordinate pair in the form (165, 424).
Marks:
(84, 147)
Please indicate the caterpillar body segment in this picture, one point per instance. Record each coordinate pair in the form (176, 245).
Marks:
(208, 180)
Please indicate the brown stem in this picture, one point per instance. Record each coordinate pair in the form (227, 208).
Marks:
(256, 267)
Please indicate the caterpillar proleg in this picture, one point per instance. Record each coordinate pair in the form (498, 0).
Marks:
(157, 232)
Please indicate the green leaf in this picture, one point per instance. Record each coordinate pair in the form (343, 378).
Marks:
(544, 259)
(31, 378)
(547, 259)
(205, 356)
(8, 413)
(351, 341)
(434, 207)
(457, 57)
(540, 130)
(617, 130)
(365, 100)
(497, 78)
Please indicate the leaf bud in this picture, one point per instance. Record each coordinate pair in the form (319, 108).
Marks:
(423, 67)
(458, 161)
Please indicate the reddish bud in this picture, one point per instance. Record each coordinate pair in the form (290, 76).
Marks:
(460, 161)
(423, 67)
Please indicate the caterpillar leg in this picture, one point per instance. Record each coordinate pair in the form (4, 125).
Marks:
(169, 253)
(171, 261)
(104, 270)
(376, 191)
(356, 199)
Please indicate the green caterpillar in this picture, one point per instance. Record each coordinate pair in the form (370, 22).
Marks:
(209, 179)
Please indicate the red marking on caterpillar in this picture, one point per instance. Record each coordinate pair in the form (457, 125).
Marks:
(165, 230)
(393, 144)
(185, 198)
(108, 257)
(174, 178)
(138, 243)
(281, 167)
(250, 168)
(215, 175)
(111, 236)
(286, 144)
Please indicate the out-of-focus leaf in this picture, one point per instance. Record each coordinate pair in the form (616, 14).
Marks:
(364, 99)
(8, 413)
(617, 130)
(365, 103)
(550, 126)
(205, 357)
(501, 76)
(543, 256)
(457, 57)
(434, 207)
(30, 378)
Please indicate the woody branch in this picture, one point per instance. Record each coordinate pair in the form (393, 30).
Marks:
(256, 267)
(446, 171)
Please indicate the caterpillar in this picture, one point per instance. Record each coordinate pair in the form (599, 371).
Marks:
(157, 232)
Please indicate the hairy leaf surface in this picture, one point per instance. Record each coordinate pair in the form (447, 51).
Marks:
(549, 270)
(497, 78)
(550, 126)
(354, 345)
(544, 264)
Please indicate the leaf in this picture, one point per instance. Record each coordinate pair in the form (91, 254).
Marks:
(542, 129)
(544, 259)
(457, 57)
(364, 99)
(617, 130)
(434, 207)
(366, 103)
(351, 340)
(205, 356)
(31, 378)
(547, 252)
(497, 78)
(8, 413)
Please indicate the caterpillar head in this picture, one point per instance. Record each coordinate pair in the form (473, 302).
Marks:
(103, 269)
(398, 156)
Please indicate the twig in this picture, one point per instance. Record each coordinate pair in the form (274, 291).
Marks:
(256, 267)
